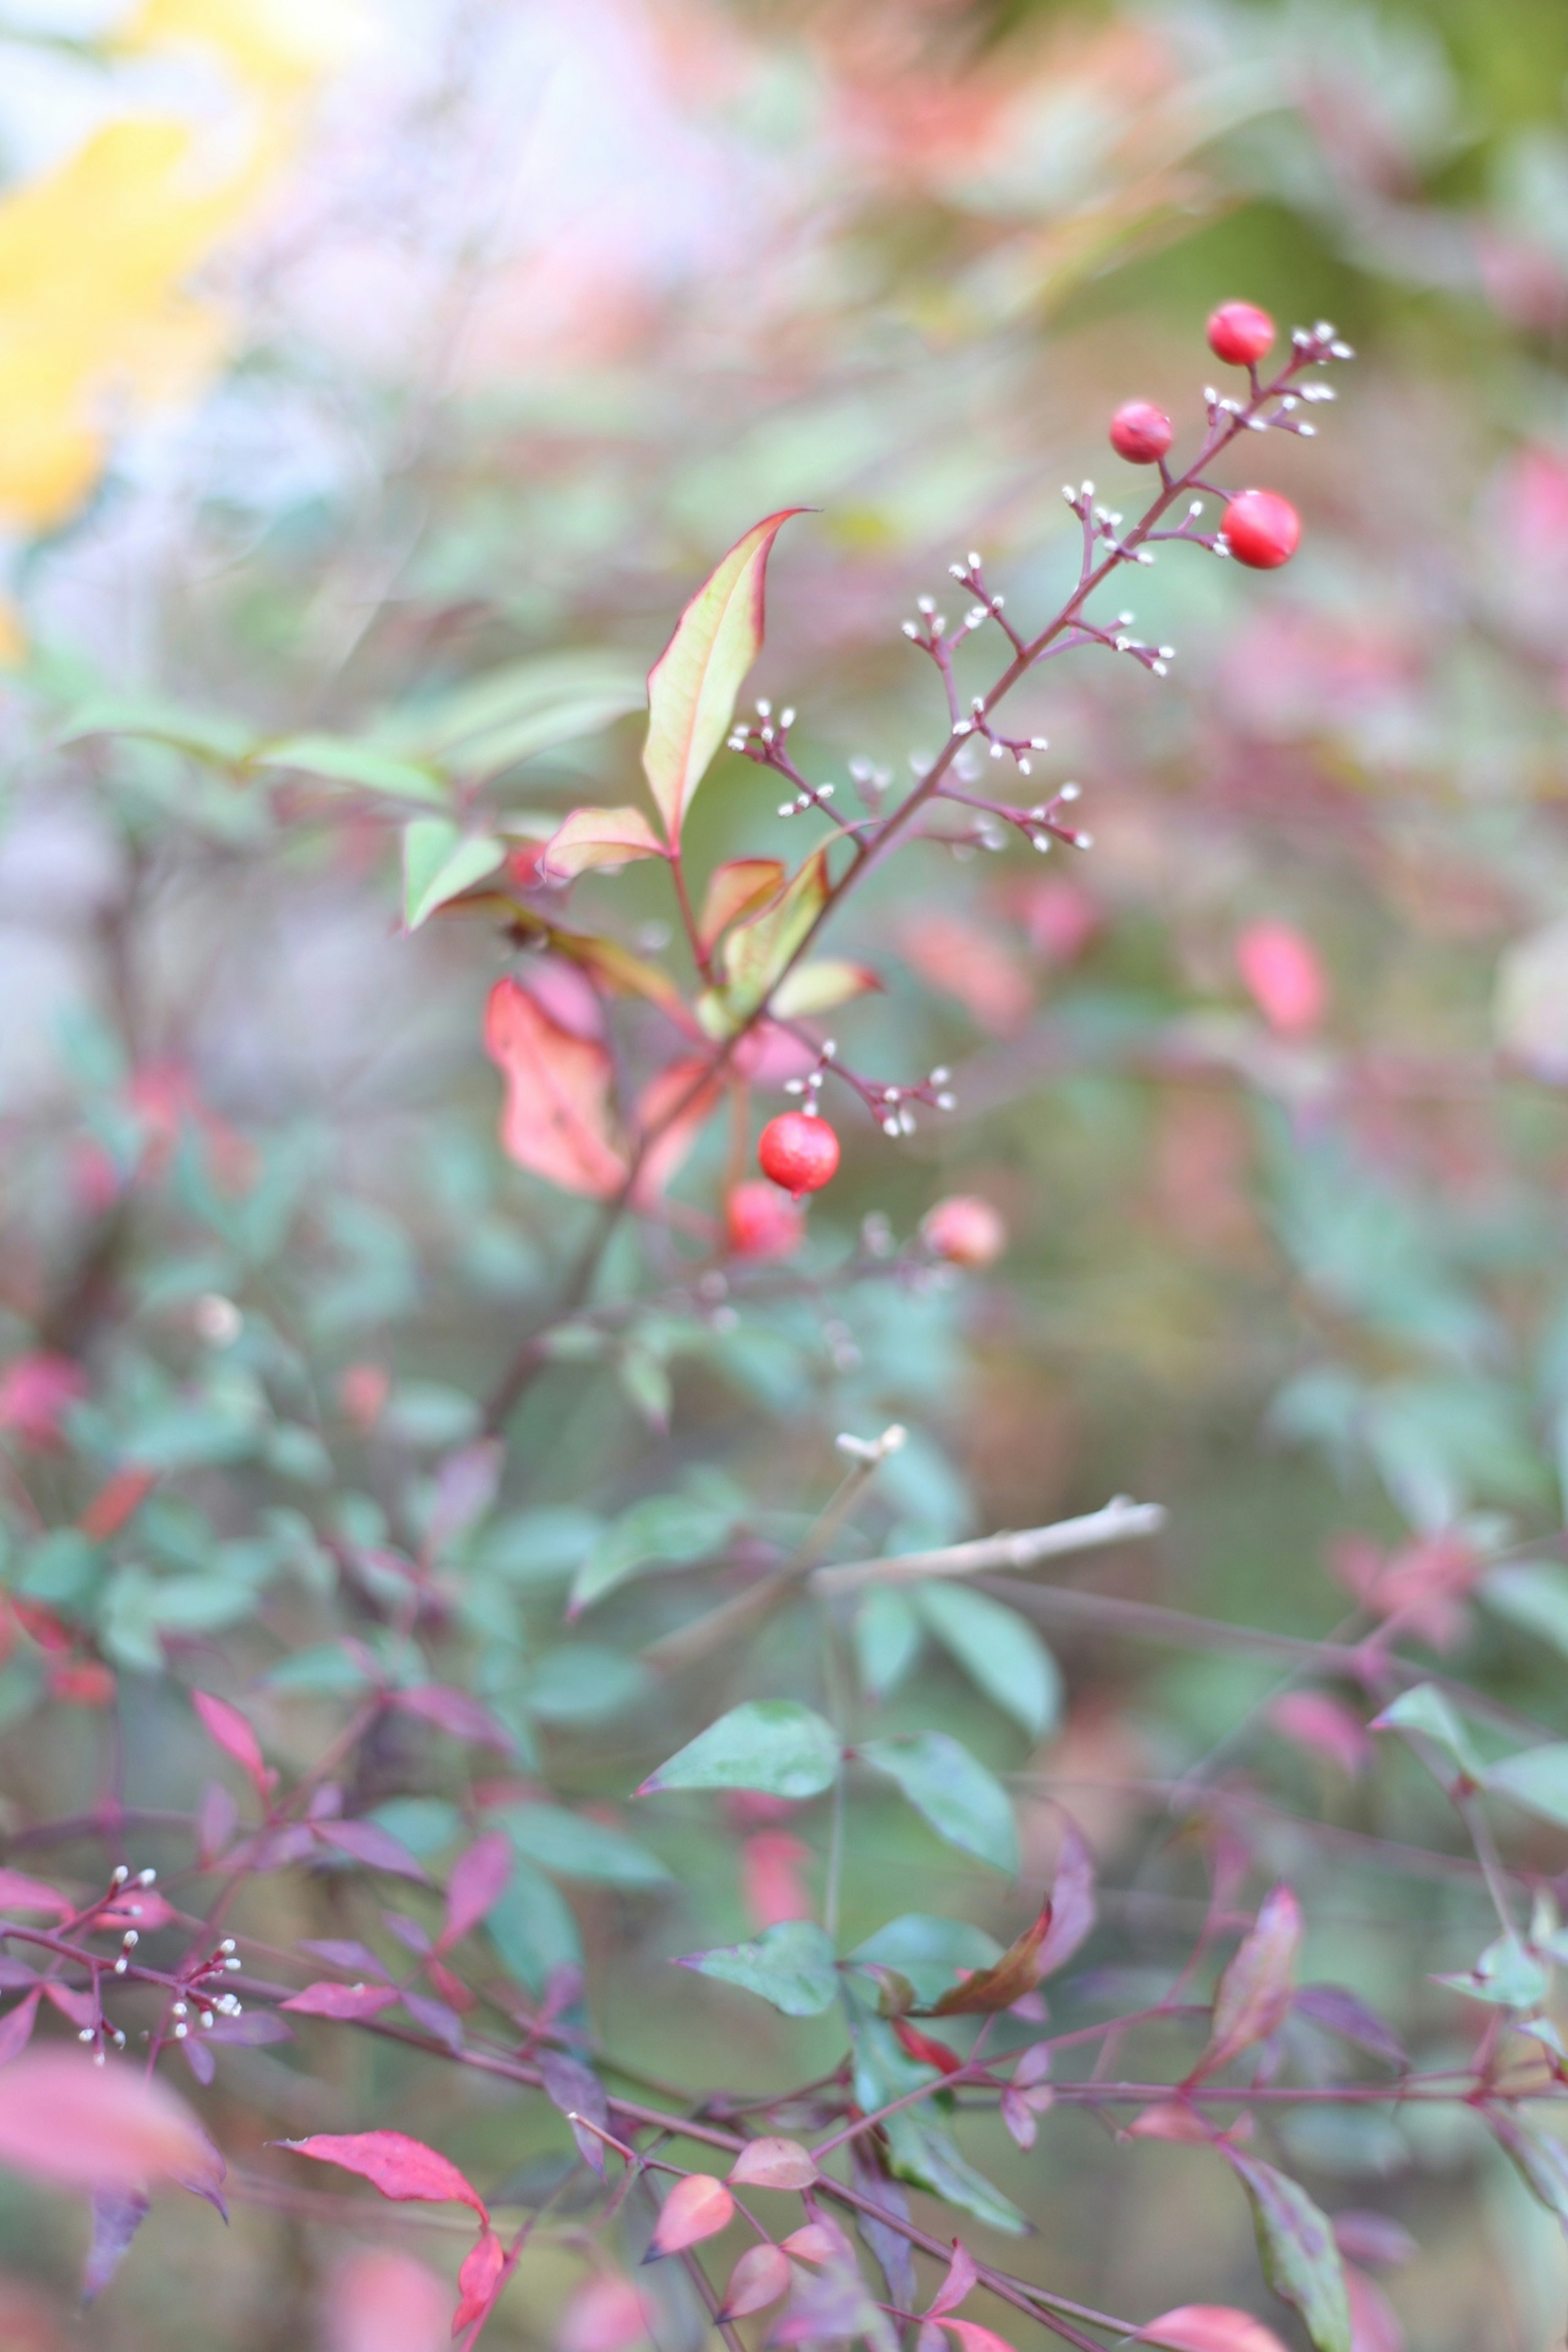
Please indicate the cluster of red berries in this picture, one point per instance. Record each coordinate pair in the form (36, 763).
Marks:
(1261, 529)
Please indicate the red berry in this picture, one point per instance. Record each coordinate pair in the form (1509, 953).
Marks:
(1261, 529)
(1240, 332)
(798, 1151)
(1140, 433)
(760, 1223)
(965, 1230)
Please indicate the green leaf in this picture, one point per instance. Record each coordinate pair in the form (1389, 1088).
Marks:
(533, 1930)
(583, 1683)
(792, 1966)
(772, 1745)
(821, 985)
(692, 687)
(1542, 2161)
(961, 1801)
(511, 714)
(1538, 1781)
(661, 1531)
(996, 1646)
(1533, 1595)
(223, 742)
(342, 760)
(537, 1546)
(923, 2154)
(756, 953)
(929, 1950)
(886, 1640)
(439, 863)
(573, 1845)
(1427, 1715)
(1296, 2242)
(1505, 1975)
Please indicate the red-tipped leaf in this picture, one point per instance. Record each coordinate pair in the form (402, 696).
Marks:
(402, 2168)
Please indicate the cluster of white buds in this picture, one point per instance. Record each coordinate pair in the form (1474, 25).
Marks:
(809, 798)
(1323, 342)
(809, 1089)
(770, 732)
(128, 1944)
(1043, 823)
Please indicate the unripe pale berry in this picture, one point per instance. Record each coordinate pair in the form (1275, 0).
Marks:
(1140, 433)
(799, 1153)
(760, 1223)
(1261, 529)
(1240, 332)
(964, 1230)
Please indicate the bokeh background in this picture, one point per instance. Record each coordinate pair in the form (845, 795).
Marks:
(348, 354)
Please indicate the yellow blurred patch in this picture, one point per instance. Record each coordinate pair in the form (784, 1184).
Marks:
(13, 637)
(272, 44)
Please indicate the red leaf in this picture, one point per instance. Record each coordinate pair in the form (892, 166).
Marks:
(17, 2028)
(376, 1847)
(1004, 1981)
(924, 2048)
(556, 1120)
(115, 1503)
(760, 2276)
(1072, 1910)
(349, 2001)
(1283, 976)
(477, 1881)
(695, 2209)
(478, 2281)
(64, 2119)
(1209, 2327)
(960, 2277)
(974, 2338)
(674, 1107)
(401, 2167)
(20, 1893)
(773, 2163)
(607, 2314)
(228, 1729)
(457, 1714)
(1255, 1991)
(381, 2300)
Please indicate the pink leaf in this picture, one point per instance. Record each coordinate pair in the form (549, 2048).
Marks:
(376, 1847)
(674, 1107)
(817, 2242)
(607, 2314)
(696, 2208)
(78, 2005)
(1072, 1901)
(228, 1729)
(477, 1880)
(380, 2300)
(480, 2280)
(1209, 2327)
(442, 2024)
(975, 2338)
(111, 2127)
(1373, 2239)
(116, 2218)
(774, 2164)
(760, 2276)
(1325, 1726)
(692, 687)
(348, 2001)
(1169, 2119)
(457, 1714)
(36, 1393)
(344, 1952)
(142, 1908)
(1255, 1991)
(965, 959)
(1283, 977)
(20, 1893)
(556, 1120)
(960, 2277)
(401, 2167)
(1375, 2322)
(598, 837)
(17, 2028)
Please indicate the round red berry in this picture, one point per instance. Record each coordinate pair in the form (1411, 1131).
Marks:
(1261, 529)
(798, 1151)
(1240, 334)
(1140, 433)
(964, 1230)
(760, 1223)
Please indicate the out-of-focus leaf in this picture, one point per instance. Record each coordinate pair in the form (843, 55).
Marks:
(533, 1930)
(381, 2300)
(998, 1649)
(761, 2277)
(556, 1121)
(368, 1842)
(736, 888)
(1533, 1595)
(594, 837)
(19, 1892)
(998, 1987)
(476, 1881)
(401, 2167)
(1426, 1714)
(772, 2163)
(574, 1846)
(575, 2091)
(697, 2207)
(439, 863)
(757, 952)
(692, 687)
(499, 719)
(1540, 2160)
(951, 1790)
(1506, 1975)
(661, 1531)
(228, 1729)
(1256, 1989)
(1342, 2012)
(1072, 1901)
(886, 1639)
(350, 2003)
(928, 1952)
(1209, 2327)
(456, 1713)
(1296, 2242)
(1375, 2322)
(583, 1683)
(225, 742)
(1538, 1779)
(791, 1966)
(773, 1744)
(342, 760)
(921, 2152)
(99, 2127)
(820, 986)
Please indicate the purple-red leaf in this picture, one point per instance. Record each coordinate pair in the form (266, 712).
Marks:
(1342, 2012)
(960, 2277)
(341, 2000)
(457, 1714)
(368, 1842)
(228, 1729)
(1258, 1983)
(1004, 1981)
(117, 2215)
(401, 2167)
(17, 2028)
(478, 2281)
(343, 1952)
(477, 1880)
(18, 1893)
(975, 2338)
(1072, 1912)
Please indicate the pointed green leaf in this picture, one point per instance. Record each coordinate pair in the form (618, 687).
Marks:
(1296, 2242)
(923, 2154)
(961, 1801)
(773, 1744)
(757, 954)
(439, 863)
(573, 1845)
(1425, 1713)
(1538, 1781)
(341, 760)
(792, 1966)
(998, 1650)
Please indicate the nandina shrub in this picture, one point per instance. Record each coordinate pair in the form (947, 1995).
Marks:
(439, 1747)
